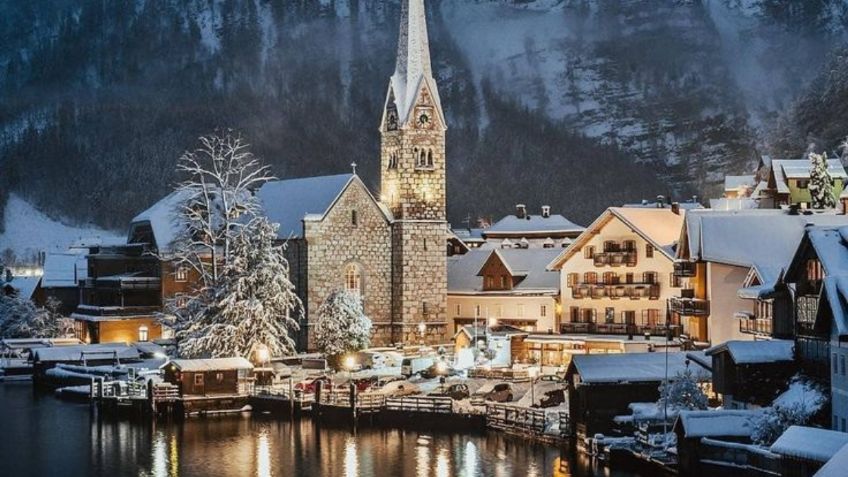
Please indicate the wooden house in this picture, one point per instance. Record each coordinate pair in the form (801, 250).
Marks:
(751, 373)
(210, 377)
(804, 450)
(43, 359)
(602, 386)
(692, 427)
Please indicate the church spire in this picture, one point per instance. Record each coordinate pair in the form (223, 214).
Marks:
(413, 70)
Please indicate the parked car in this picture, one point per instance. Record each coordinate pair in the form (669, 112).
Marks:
(500, 392)
(438, 369)
(457, 392)
(399, 389)
(393, 359)
(364, 384)
(552, 398)
(310, 385)
(412, 366)
(385, 380)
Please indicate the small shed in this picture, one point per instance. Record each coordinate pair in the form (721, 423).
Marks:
(85, 355)
(804, 450)
(691, 427)
(752, 372)
(204, 377)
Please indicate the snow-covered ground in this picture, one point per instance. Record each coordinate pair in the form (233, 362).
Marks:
(29, 231)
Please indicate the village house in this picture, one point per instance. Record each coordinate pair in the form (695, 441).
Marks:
(737, 187)
(503, 340)
(616, 278)
(700, 435)
(504, 286)
(789, 182)
(209, 377)
(725, 259)
(525, 230)
(751, 374)
(819, 274)
(601, 387)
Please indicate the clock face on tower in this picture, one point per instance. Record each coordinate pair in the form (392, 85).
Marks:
(423, 118)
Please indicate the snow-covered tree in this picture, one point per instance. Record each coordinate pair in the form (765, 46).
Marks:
(255, 303)
(342, 326)
(683, 393)
(821, 183)
(796, 406)
(20, 318)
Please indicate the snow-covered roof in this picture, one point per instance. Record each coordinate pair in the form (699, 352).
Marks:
(514, 226)
(809, 443)
(94, 351)
(24, 286)
(469, 235)
(734, 183)
(836, 466)
(64, 270)
(738, 237)
(800, 168)
(530, 263)
(212, 364)
(164, 219)
(290, 202)
(482, 330)
(831, 247)
(722, 423)
(756, 352)
(736, 203)
(658, 226)
(630, 367)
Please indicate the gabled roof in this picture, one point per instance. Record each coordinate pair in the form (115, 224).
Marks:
(512, 225)
(483, 330)
(658, 226)
(290, 202)
(630, 367)
(809, 443)
(783, 169)
(23, 286)
(721, 423)
(64, 270)
(756, 352)
(164, 219)
(212, 364)
(89, 352)
(463, 271)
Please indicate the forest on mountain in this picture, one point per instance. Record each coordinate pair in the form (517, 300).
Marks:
(580, 104)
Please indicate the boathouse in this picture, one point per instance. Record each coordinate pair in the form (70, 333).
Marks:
(210, 377)
(751, 373)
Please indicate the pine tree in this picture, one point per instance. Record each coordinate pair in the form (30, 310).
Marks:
(683, 393)
(342, 326)
(255, 304)
(821, 183)
(20, 318)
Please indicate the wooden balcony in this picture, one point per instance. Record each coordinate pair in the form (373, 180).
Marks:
(690, 306)
(654, 329)
(616, 259)
(756, 326)
(685, 268)
(620, 291)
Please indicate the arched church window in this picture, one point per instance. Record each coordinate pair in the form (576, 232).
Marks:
(353, 279)
(430, 158)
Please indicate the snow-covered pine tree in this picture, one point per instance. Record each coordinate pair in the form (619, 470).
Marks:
(342, 326)
(821, 183)
(255, 303)
(20, 318)
(683, 393)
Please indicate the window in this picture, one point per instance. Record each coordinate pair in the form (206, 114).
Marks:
(458, 310)
(143, 333)
(609, 315)
(590, 277)
(651, 317)
(520, 311)
(490, 282)
(425, 308)
(589, 252)
(181, 274)
(503, 281)
(629, 245)
(628, 278)
(629, 317)
(354, 219)
(430, 158)
(572, 279)
(393, 160)
(610, 278)
(649, 251)
(802, 183)
(574, 314)
(477, 311)
(649, 278)
(814, 270)
(353, 279)
(842, 420)
(198, 379)
(219, 377)
(543, 311)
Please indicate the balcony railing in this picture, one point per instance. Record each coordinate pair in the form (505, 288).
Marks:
(756, 326)
(654, 329)
(632, 291)
(94, 310)
(685, 268)
(690, 306)
(616, 259)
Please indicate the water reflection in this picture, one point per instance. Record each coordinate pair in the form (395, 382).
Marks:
(54, 437)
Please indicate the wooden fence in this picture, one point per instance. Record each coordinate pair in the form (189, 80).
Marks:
(429, 404)
(501, 374)
(527, 421)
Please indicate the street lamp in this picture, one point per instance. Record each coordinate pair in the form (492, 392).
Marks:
(349, 363)
(441, 371)
(534, 373)
(422, 328)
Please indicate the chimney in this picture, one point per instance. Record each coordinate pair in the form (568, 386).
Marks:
(660, 201)
(521, 211)
(546, 211)
(675, 208)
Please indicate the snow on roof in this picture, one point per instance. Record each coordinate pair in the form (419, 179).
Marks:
(738, 237)
(831, 247)
(835, 467)
(469, 235)
(836, 292)
(76, 353)
(809, 443)
(212, 364)
(289, 202)
(25, 286)
(800, 168)
(533, 224)
(64, 270)
(723, 423)
(737, 203)
(531, 263)
(164, 219)
(754, 352)
(482, 330)
(630, 367)
(734, 183)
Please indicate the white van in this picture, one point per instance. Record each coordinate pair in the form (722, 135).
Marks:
(415, 365)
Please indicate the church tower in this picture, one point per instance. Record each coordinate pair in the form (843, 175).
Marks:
(413, 186)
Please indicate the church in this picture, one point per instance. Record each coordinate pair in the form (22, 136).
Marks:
(389, 248)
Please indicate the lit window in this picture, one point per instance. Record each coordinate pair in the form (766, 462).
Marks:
(219, 377)
(143, 333)
(353, 279)
(649, 251)
(181, 275)
(589, 252)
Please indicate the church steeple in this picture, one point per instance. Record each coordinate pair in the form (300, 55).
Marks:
(413, 70)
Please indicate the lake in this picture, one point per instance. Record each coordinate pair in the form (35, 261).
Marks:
(44, 436)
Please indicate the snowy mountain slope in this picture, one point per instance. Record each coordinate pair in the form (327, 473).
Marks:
(29, 231)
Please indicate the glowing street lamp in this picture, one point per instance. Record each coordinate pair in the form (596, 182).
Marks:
(349, 363)
(422, 328)
(534, 373)
(263, 355)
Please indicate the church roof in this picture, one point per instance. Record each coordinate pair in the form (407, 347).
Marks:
(288, 202)
(413, 68)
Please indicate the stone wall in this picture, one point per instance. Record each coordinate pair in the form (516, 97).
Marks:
(335, 242)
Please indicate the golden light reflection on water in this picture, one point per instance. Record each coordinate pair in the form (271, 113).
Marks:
(351, 462)
(423, 456)
(443, 463)
(263, 455)
(470, 460)
(159, 455)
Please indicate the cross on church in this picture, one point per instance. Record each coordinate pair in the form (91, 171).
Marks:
(353, 166)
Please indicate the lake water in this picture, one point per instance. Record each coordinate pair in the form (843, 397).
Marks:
(41, 436)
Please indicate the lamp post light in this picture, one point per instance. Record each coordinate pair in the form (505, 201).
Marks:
(422, 328)
(349, 363)
(534, 373)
